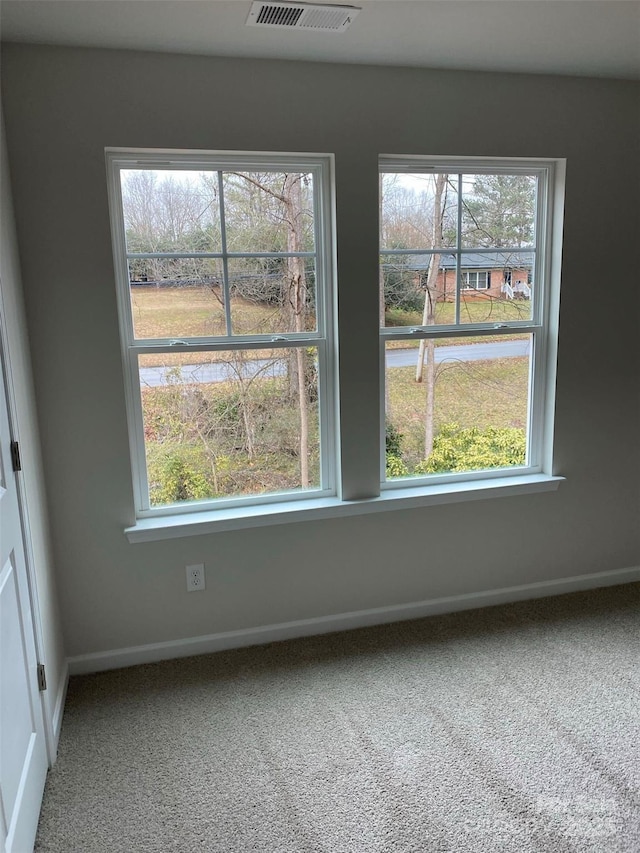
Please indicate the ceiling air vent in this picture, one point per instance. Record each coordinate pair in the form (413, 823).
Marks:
(302, 16)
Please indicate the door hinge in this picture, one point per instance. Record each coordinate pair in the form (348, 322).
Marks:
(42, 678)
(15, 456)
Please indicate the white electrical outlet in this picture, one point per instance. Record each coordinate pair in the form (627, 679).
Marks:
(195, 577)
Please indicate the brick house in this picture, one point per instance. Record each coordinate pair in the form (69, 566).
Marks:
(502, 275)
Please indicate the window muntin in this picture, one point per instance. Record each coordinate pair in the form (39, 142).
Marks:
(502, 219)
(222, 265)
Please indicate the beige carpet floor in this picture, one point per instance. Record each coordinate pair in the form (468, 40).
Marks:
(514, 729)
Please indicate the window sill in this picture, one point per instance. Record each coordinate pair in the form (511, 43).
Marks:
(237, 518)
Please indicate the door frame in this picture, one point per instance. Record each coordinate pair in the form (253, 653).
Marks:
(7, 388)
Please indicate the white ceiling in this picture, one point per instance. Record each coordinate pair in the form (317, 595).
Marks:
(582, 37)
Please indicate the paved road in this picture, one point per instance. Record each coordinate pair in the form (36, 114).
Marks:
(217, 372)
(463, 352)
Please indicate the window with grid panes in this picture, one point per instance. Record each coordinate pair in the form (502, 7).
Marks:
(223, 265)
(463, 364)
(223, 270)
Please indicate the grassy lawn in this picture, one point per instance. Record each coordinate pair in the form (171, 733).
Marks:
(477, 310)
(471, 311)
(181, 312)
(185, 312)
(175, 312)
(480, 393)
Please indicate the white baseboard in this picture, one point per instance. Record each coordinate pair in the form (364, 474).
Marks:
(53, 712)
(58, 710)
(117, 658)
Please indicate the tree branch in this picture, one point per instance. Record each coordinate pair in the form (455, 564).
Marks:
(260, 186)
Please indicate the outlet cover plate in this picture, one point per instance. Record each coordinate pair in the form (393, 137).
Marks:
(195, 577)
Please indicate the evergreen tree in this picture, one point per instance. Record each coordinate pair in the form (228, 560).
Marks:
(500, 211)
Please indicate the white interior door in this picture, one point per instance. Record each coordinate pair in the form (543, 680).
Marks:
(23, 758)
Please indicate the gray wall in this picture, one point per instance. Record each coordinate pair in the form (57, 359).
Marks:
(63, 106)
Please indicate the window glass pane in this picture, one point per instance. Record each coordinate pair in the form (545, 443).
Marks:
(495, 287)
(177, 297)
(241, 422)
(418, 211)
(418, 289)
(469, 412)
(272, 295)
(498, 210)
(269, 211)
(171, 210)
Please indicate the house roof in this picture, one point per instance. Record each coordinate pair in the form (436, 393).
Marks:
(476, 261)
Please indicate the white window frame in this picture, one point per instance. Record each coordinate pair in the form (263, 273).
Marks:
(321, 166)
(202, 517)
(542, 326)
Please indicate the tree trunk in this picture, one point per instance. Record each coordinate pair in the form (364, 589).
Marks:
(294, 299)
(247, 419)
(296, 302)
(428, 313)
(304, 420)
(382, 304)
(427, 347)
(430, 394)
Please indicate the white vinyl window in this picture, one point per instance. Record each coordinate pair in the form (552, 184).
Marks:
(463, 364)
(223, 267)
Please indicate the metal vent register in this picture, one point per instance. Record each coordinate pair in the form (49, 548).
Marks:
(302, 16)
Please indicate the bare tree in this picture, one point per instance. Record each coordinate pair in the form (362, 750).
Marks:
(405, 214)
(294, 296)
(165, 213)
(426, 350)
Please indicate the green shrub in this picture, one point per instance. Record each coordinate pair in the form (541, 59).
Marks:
(393, 440)
(174, 477)
(395, 466)
(473, 449)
